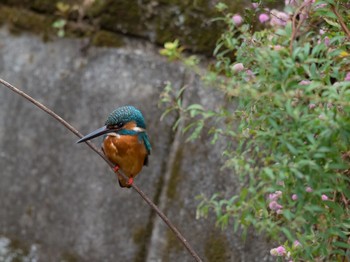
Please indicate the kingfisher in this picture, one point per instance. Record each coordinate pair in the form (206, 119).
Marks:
(125, 143)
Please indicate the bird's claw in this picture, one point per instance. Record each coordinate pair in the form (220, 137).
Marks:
(116, 168)
(130, 181)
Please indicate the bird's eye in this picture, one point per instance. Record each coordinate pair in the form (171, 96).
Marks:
(118, 125)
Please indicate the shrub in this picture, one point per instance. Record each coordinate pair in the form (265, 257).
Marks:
(288, 137)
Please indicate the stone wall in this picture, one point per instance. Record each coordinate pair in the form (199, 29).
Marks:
(156, 20)
(62, 199)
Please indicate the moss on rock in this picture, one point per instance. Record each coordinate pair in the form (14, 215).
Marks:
(216, 247)
(157, 20)
(122, 16)
(20, 19)
(69, 256)
(107, 39)
(172, 245)
(24, 20)
(42, 6)
(175, 177)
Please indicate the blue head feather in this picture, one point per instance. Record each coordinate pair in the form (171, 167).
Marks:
(125, 114)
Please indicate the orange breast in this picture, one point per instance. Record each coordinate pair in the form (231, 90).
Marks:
(125, 151)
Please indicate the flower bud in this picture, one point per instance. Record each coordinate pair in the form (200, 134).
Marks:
(237, 19)
(238, 67)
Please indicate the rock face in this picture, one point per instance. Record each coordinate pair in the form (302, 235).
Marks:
(156, 20)
(61, 198)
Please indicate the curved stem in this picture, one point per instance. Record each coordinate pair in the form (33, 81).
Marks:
(341, 21)
(94, 148)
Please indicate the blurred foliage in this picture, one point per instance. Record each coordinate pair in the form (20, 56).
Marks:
(287, 127)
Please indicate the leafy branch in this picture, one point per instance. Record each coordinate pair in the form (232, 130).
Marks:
(286, 125)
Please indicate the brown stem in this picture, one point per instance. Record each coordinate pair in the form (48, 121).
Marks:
(341, 21)
(94, 148)
(295, 28)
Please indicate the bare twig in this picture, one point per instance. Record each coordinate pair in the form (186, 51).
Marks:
(94, 148)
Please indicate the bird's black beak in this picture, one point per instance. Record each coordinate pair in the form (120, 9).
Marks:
(98, 132)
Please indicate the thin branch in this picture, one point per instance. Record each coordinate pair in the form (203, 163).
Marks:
(341, 21)
(54, 115)
(94, 148)
(295, 28)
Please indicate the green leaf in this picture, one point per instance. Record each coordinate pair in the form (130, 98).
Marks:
(334, 231)
(61, 33)
(166, 112)
(331, 22)
(341, 244)
(336, 208)
(196, 132)
(193, 107)
(243, 194)
(288, 234)
(268, 171)
(59, 23)
(291, 148)
(221, 7)
(288, 214)
(338, 252)
(223, 221)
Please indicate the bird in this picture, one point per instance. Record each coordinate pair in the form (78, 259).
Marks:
(125, 143)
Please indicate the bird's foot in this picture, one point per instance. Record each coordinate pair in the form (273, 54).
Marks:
(130, 181)
(116, 168)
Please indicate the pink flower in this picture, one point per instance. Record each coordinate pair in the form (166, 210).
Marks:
(326, 41)
(275, 196)
(255, 5)
(275, 206)
(263, 18)
(309, 1)
(304, 82)
(312, 106)
(237, 19)
(294, 197)
(278, 18)
(277, 47)
(278, 251)
(281, 250)
(308, 189)
(291, 2)
(347, 77)
(296, 244)
(238, 67)
(324, 197)
(322, 31)
(250, 74)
